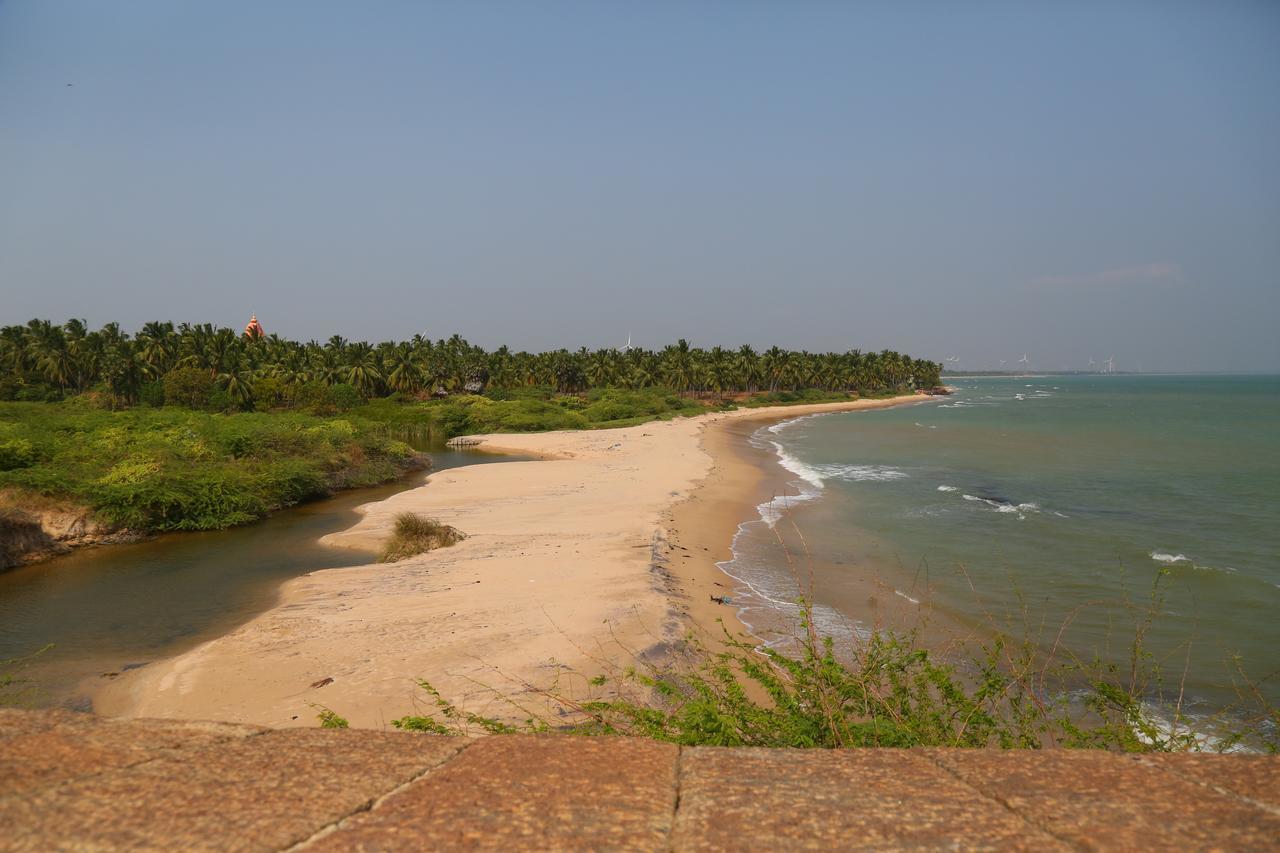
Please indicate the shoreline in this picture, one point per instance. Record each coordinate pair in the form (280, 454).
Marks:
(603, 549)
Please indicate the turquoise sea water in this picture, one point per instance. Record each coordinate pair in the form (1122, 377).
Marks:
(1035, 500)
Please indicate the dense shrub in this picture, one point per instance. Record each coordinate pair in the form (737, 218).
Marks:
(152, 394)
(533, 410)
(344, 397)
(16, 453)
(191, 387)
(170, 469)
(38, 392)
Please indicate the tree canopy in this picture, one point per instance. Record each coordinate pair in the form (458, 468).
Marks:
(41, 360)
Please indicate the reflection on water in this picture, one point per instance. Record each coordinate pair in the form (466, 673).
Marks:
(111, 608)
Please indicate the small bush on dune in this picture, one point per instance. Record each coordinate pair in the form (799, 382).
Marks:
(415, 534)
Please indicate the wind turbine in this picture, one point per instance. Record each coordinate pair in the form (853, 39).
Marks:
(1025, 362)
(627, 346)
(1111, 364)
(954, 359)
(1092, 365)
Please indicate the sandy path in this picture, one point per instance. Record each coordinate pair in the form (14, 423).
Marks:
(558, 572)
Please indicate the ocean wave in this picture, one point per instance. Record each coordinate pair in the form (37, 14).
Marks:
(1183, 559)
(947, 489)
(781, 425)
(860, 473)
(802, 470)
(1005, 506)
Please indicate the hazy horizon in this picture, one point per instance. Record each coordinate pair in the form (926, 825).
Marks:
(1070, 181)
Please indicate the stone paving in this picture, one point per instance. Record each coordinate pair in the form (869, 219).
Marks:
(71, 781)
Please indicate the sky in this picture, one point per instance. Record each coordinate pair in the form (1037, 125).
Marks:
(981, 180)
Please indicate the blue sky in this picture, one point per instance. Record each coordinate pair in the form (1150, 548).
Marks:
(981, 179)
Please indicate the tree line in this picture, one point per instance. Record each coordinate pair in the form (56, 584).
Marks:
(45, 361)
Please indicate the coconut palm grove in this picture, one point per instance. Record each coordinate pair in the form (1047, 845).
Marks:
(220, 369)
(192, 427)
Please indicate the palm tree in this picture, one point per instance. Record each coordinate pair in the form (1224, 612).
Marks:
(73, 358)
(402, 371)
(363, 370)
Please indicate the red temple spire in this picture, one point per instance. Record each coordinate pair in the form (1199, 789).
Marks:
(254, 329)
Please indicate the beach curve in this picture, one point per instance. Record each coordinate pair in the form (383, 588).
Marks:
(601, 549)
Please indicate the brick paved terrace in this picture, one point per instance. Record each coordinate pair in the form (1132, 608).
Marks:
(70, 781)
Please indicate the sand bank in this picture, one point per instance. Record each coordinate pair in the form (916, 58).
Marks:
(603, 549)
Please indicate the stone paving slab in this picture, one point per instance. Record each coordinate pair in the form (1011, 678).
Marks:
(1087, 797)
(849, 799)
(530, 792)
(263, 792)
(77, 782)
(38, 750)
(1251, 777)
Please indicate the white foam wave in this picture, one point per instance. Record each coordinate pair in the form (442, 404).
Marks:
(1003, 506)
(859, 473)
(947, 489)
(907, 597)
(781, 425)
(1175, 559)
(805, 472)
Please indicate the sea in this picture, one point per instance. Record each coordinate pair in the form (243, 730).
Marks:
(1072, 511)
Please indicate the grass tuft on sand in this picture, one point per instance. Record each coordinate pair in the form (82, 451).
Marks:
(416, 534)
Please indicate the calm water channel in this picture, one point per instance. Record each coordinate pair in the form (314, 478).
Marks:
(116, 607)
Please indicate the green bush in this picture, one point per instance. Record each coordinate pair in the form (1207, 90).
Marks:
(344, 397)
(173, 469)
(886, 690)
(16, 453)
(38, 392)
(190, 387)
(152, 394)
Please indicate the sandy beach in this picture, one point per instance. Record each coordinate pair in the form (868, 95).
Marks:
(601, 550)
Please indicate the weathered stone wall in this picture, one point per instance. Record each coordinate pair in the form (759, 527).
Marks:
(72, 781)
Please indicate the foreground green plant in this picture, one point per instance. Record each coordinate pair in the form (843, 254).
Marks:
(882, 691)
(414, 534)
(329, 719)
